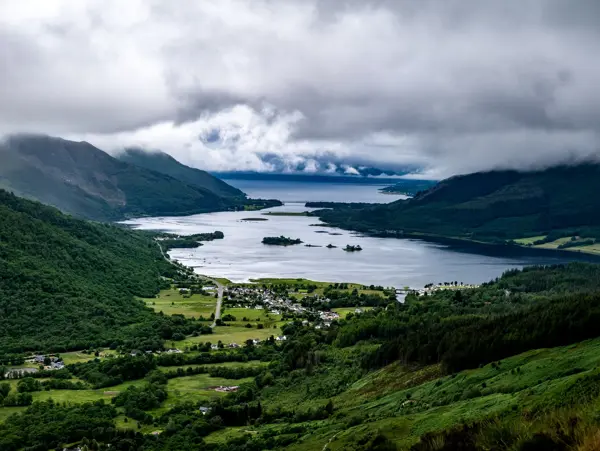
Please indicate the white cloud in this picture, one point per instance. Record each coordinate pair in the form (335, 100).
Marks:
(450, 85)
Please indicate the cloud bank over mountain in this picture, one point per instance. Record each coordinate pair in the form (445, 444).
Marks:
(450, 86)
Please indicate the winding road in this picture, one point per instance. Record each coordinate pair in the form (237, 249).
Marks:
(220, 286)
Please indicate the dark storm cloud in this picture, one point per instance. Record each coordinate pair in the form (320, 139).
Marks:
(449, 85)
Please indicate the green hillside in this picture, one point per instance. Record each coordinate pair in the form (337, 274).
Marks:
(166, 164)
(71, 284)
(525, 376)
(80, 179)
(491, 206)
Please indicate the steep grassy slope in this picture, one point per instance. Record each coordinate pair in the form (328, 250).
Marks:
(491, 206)
(80, 179)
(68, 283)
(166, 164)
(511, 401)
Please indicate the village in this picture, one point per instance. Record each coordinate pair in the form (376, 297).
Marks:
(432, 288)
(286, 304)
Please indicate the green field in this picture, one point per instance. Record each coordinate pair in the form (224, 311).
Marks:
(226, 434)
(290, 282)
(529, 240)
(252, 316)
(122, 422)
(298, 284)
(229, 334)
(554, 244)
(251, 364)
(591, 249)
(343, 311)
(81, 357)
(172, 302)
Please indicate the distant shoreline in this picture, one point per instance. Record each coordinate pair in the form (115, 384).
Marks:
(485, 248)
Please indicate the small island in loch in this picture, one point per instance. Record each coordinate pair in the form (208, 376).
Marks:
(350, 248)
(331, 246)
(281, 241)
(253, 219)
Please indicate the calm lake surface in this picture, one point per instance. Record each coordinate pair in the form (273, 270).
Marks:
(384, 261)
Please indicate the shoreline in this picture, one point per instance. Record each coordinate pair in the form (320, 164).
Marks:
(492, 249)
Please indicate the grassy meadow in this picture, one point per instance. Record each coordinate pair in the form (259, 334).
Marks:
(344, 311)
(589, 249)
(227, 335)
(172, 302)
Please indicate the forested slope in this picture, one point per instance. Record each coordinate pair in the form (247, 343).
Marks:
(490, 206)
(68, 283)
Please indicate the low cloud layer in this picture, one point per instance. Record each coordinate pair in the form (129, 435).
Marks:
(446, 85)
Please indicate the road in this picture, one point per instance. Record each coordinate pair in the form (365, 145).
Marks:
(220, 286)
(220, 289)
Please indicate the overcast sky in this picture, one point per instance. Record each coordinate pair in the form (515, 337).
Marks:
(452, 86)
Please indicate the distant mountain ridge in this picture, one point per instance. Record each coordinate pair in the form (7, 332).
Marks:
(166, 164)
(82, 180)
(308, 178)
(491, 206)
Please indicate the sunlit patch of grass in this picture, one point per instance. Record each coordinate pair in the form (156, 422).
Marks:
(529, 240)
(172, 302)
(226, 434)
(344, 311)
(230, 334)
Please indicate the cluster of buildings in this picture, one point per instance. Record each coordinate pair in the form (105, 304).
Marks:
(326, 319)
(227, 389)
(432, 288)
(136, 352)
(260, 298)
(49, 362)
(216, 347)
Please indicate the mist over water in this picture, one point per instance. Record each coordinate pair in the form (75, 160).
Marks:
(384, 261)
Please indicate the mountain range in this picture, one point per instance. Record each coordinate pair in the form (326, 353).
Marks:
(491, 206)
(82, 180)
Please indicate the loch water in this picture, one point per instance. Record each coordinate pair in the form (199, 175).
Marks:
(384, 261)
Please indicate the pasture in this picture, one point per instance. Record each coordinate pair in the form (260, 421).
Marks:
(172, 302)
